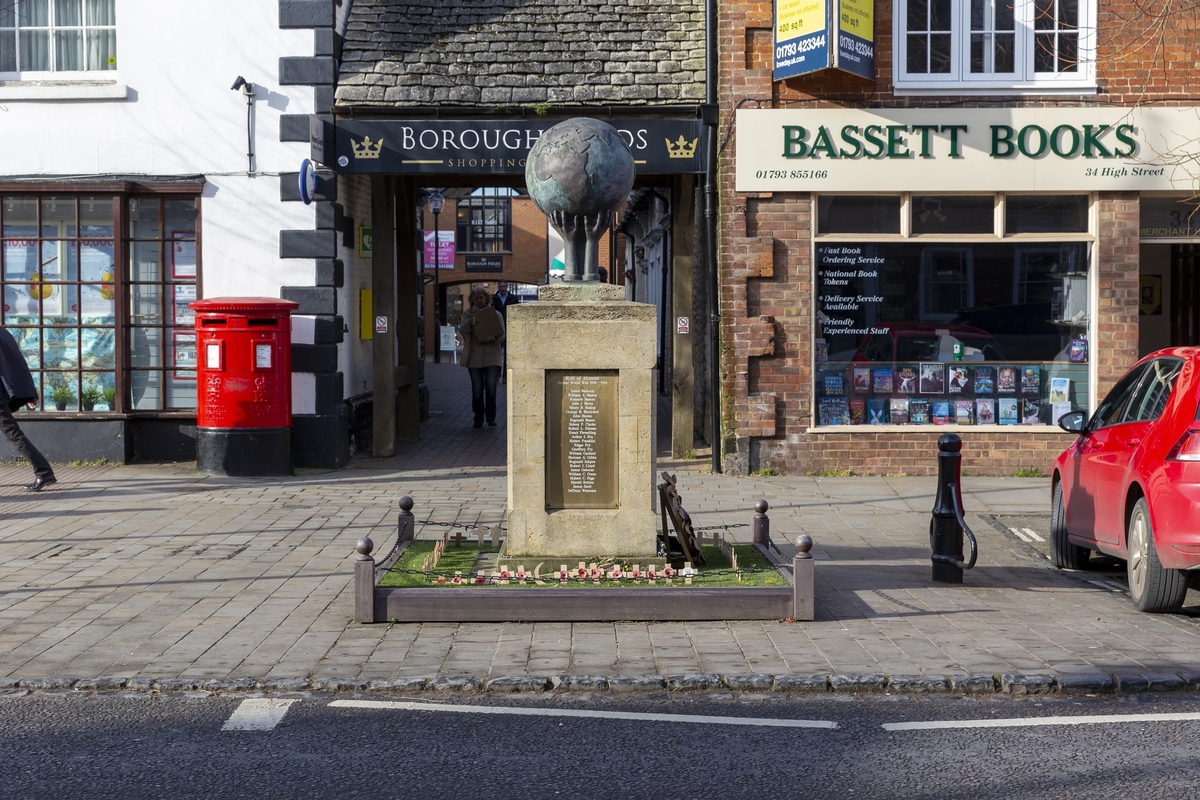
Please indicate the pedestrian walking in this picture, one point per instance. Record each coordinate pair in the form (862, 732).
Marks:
(482, 329)
(16, 390)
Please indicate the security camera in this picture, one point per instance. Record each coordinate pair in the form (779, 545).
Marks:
(243, 84)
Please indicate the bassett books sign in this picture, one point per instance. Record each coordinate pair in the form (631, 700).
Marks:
(956, 150)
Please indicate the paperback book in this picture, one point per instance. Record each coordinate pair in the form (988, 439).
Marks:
(834, 411)
(964, 412)
(960, 379)
(876, 410)
(918, 411)
(906, 380)
(939, 411)
(1031, 411)
(985, 411)
(883, 380)
(1006, 410)
(834, 385)
(1031, 380)
(899, 409)
(858, 411)
(933, 378)
(862, 380)
(985, 380)
(1006, 380)
(1060, 390)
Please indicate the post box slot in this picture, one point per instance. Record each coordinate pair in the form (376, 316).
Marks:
(213, 321)
(252, 322)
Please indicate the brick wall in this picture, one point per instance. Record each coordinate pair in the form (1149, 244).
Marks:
(765, 253)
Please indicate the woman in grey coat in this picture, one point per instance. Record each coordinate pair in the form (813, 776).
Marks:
(482, 329)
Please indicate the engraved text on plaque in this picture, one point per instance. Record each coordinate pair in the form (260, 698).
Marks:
(581, 439)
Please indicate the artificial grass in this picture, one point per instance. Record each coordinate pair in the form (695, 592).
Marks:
(756, 570)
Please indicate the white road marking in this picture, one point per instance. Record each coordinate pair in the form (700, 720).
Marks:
(257, 715)
(559, 712)
(1020, 535)
(1029, 722)
(1035, 536)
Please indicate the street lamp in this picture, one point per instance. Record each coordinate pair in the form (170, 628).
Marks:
(436, 204)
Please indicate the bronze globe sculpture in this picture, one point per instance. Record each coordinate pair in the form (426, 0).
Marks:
(578, 173)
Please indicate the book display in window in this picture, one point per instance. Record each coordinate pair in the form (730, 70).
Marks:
(964, 412)
(918, 411)
(1006, 380)
(939, 410)
(883, 380)
(906, 380)
(933, 378)
(1007, 412)
(985, 411)
(858, 411)
(834, 411)
(899, 410)
(862, 380)
(834, 384)
(985, 380)
(1077, 351)
(876, 411)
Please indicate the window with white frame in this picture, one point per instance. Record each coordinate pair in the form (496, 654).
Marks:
(57, 36)
(980, 45)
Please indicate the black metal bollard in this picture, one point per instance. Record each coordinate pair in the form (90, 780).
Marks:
(947, 527)
(405, 524)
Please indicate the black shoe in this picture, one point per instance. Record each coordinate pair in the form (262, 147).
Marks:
(478, 425)
(40, 483)
(491, 423)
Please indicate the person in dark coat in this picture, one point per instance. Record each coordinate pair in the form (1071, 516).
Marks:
(502, 299)
(16, 390)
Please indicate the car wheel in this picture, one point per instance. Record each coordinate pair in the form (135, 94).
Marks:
(1063, 554)
(1151, 586)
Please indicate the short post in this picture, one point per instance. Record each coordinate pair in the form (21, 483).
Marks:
(804, 605)
(761, 526)
(947, 526)
(405, 523)
(364, 581)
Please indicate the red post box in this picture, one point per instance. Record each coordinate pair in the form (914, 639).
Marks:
(244, 385)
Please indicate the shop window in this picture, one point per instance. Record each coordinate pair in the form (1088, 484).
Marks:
(99, 338)
(968, 45)
(911, 332)
(161, 283)
(485, 221)
(858, 214)
(958, 215)
(57, 36)
(1045, 213)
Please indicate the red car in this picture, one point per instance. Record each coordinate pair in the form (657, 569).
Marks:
(1129, 487)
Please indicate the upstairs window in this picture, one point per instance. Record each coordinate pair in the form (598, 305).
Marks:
(980, 45)
(57, 36)
(485, 221)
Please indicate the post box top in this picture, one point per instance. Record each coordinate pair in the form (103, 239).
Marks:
(244, 304)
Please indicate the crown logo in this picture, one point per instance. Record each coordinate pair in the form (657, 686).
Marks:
(366, 148)
(682, 148)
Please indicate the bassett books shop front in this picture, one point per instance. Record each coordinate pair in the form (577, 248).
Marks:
(983, 269)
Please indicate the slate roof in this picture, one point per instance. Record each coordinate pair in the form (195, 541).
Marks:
(488, 53)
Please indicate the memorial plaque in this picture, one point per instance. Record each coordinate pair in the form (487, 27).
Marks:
(581, 439)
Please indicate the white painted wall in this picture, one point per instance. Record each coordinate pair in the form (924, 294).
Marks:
(176, 60)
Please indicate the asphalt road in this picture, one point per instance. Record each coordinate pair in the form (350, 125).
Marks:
(321, 746)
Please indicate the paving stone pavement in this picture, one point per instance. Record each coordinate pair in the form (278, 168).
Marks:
(156, 575)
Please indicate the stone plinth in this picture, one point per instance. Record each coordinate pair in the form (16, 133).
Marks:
(578, 338)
